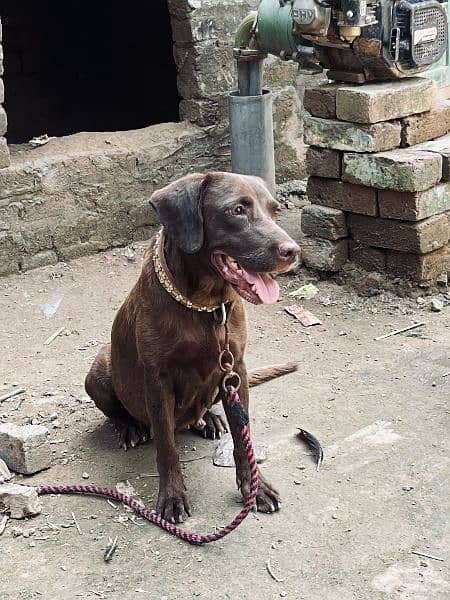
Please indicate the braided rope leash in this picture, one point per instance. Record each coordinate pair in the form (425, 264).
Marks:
(241, 418)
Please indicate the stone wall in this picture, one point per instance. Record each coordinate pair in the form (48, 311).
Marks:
(90, 191)
(380, 190)
(4, 152)
(203, 33)
(86, 192)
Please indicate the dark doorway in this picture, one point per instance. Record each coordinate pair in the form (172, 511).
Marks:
(86, 66)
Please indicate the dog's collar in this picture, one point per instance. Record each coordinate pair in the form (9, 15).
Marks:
(165, 279)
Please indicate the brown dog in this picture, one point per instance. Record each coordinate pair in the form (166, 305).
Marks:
(161, 373)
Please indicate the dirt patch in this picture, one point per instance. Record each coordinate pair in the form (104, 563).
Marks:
(380, 409)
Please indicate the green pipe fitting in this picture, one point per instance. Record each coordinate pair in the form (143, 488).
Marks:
(275, 29)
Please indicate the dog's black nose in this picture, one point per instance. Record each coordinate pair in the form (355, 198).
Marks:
(288, 251)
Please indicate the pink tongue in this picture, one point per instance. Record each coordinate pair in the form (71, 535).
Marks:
(267, 288)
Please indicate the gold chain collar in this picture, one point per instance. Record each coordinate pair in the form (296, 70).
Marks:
(164, 278)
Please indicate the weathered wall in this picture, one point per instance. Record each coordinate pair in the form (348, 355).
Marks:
(203, 33)
(91, 191)
(4, 152)
(86, 192)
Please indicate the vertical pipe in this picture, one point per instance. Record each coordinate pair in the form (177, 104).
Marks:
(243, 70)
(255, 77)
(251, 125)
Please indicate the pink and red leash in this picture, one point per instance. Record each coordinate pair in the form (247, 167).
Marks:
(241, 417)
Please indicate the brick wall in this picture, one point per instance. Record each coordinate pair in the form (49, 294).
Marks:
(379, 179)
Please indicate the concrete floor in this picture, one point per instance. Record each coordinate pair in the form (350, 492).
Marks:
(380, 409)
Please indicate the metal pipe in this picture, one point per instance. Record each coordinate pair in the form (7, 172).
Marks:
(243, 71)
(251, 125)
(255, 77)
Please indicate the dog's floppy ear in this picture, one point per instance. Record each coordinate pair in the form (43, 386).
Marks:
(179, 208)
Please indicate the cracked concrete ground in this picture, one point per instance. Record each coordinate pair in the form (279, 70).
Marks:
(380, 409)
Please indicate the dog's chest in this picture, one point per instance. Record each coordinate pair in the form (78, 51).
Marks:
(196, 377)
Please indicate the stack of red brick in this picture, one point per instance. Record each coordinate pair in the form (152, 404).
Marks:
(379, 188)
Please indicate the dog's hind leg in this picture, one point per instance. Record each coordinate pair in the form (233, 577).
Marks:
(99, 387)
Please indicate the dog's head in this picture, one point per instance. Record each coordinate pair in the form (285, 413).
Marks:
(229, 220)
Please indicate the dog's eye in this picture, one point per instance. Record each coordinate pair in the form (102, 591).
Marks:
(238, 210)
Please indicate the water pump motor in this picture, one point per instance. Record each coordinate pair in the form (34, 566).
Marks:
(355, 40)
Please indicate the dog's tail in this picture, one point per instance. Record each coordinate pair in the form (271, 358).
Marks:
(263, 374)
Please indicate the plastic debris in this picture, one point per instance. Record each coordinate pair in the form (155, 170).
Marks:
(41, 140)
(130, 254)
(307, 291)
(223, 454)
(49, 310)
(306, 318)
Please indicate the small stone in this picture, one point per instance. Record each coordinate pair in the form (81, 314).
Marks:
(334, 516)
(442, 280)
(29, 532)
(85, 475)
(20, 500)
(5, 474)
(297, 482)
(423, 563)
(56, 424)
(53, 417)
(436, 305)
(407, 488)
(25, 448)
(130, 254)
(16, 531)
(283, 594)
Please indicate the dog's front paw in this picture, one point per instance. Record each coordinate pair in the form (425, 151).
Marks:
(267, 498)
(212, 426)
(173, 505)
